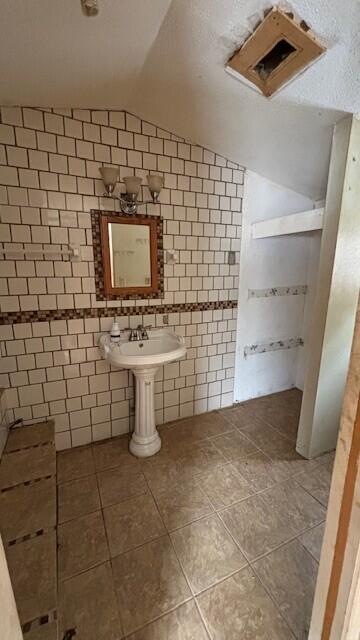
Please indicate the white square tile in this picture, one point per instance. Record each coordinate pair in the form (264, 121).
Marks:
(33, 119)
(11, 115)
(54, 390)
(7, 134)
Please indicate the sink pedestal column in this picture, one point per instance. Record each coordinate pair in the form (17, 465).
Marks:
(145, 439)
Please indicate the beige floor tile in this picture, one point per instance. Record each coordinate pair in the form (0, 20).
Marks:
(317, 482)
(281, 411)
(148, 583)
(224, 486)
(180, 433)
(115, 453)
(327, 458)
(264, 521)
(28, 509)
(234, 445)
(255, 526)
(289, 575)
(195, 429)
(239, 608)
(177, 464)
(208, 425)
(27, 464)
(284, 421)
(206, 552)
(77, 498)
(165, 474)
(291, 461)
(74, 463)
(240, 417)
(131, 523)
(116, 485)
(282, 403)
(82, 544)
(289, 400)
(295, 504)
(42, 632)
(182, 624)
(32, 567)
(260, 471)
(313, 539)
(30, 436)
(265, 437)
(87, 603)
(200, 457)
(278, 448)
(181, 504)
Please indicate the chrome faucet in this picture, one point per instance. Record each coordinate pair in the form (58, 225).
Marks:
(140, 333)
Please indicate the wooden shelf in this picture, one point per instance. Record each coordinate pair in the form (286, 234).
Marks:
(284, 225)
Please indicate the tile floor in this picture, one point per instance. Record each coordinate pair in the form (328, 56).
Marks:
(216, 537)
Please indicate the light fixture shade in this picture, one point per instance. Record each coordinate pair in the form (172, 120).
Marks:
(155, 183)
(110, 175)
(132, 185)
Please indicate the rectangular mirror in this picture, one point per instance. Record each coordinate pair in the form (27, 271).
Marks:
(129, 250)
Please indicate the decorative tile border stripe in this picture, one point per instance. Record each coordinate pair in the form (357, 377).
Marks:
(27, 483)
(30, 446)
(47, 618)
(297, 290)
(29, 536)
(275, 345)
(18, 317)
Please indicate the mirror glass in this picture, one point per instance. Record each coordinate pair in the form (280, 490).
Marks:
(130, 258)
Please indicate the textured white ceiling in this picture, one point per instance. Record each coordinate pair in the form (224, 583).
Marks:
(52, 55)
(164, 60)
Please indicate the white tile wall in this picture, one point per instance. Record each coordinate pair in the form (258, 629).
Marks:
(49, 181)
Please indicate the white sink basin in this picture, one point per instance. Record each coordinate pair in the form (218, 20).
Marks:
(144, 357)
(161, 348)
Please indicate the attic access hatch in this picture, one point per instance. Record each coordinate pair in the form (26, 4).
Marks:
(278, 49)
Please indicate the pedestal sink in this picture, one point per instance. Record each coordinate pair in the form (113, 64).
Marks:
(144, 357)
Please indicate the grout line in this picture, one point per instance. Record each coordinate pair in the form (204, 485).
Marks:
(218, 513)
(310, 494)
(80, 573)
(273, 601)
(109, 561)
(159, 617)
(305, 547)
(282, 544)
(178, 559)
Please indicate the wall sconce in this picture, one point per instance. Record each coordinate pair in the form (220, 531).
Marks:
(129, 200)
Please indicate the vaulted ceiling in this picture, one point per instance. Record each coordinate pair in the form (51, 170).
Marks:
(164, 60)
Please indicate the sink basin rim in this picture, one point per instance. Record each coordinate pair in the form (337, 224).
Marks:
(112, 351)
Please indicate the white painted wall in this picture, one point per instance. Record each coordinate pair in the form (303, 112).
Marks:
(313, 253)
(265, 263)
(333, 316)
(9, 619)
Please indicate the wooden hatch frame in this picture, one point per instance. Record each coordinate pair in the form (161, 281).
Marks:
(275, 27)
